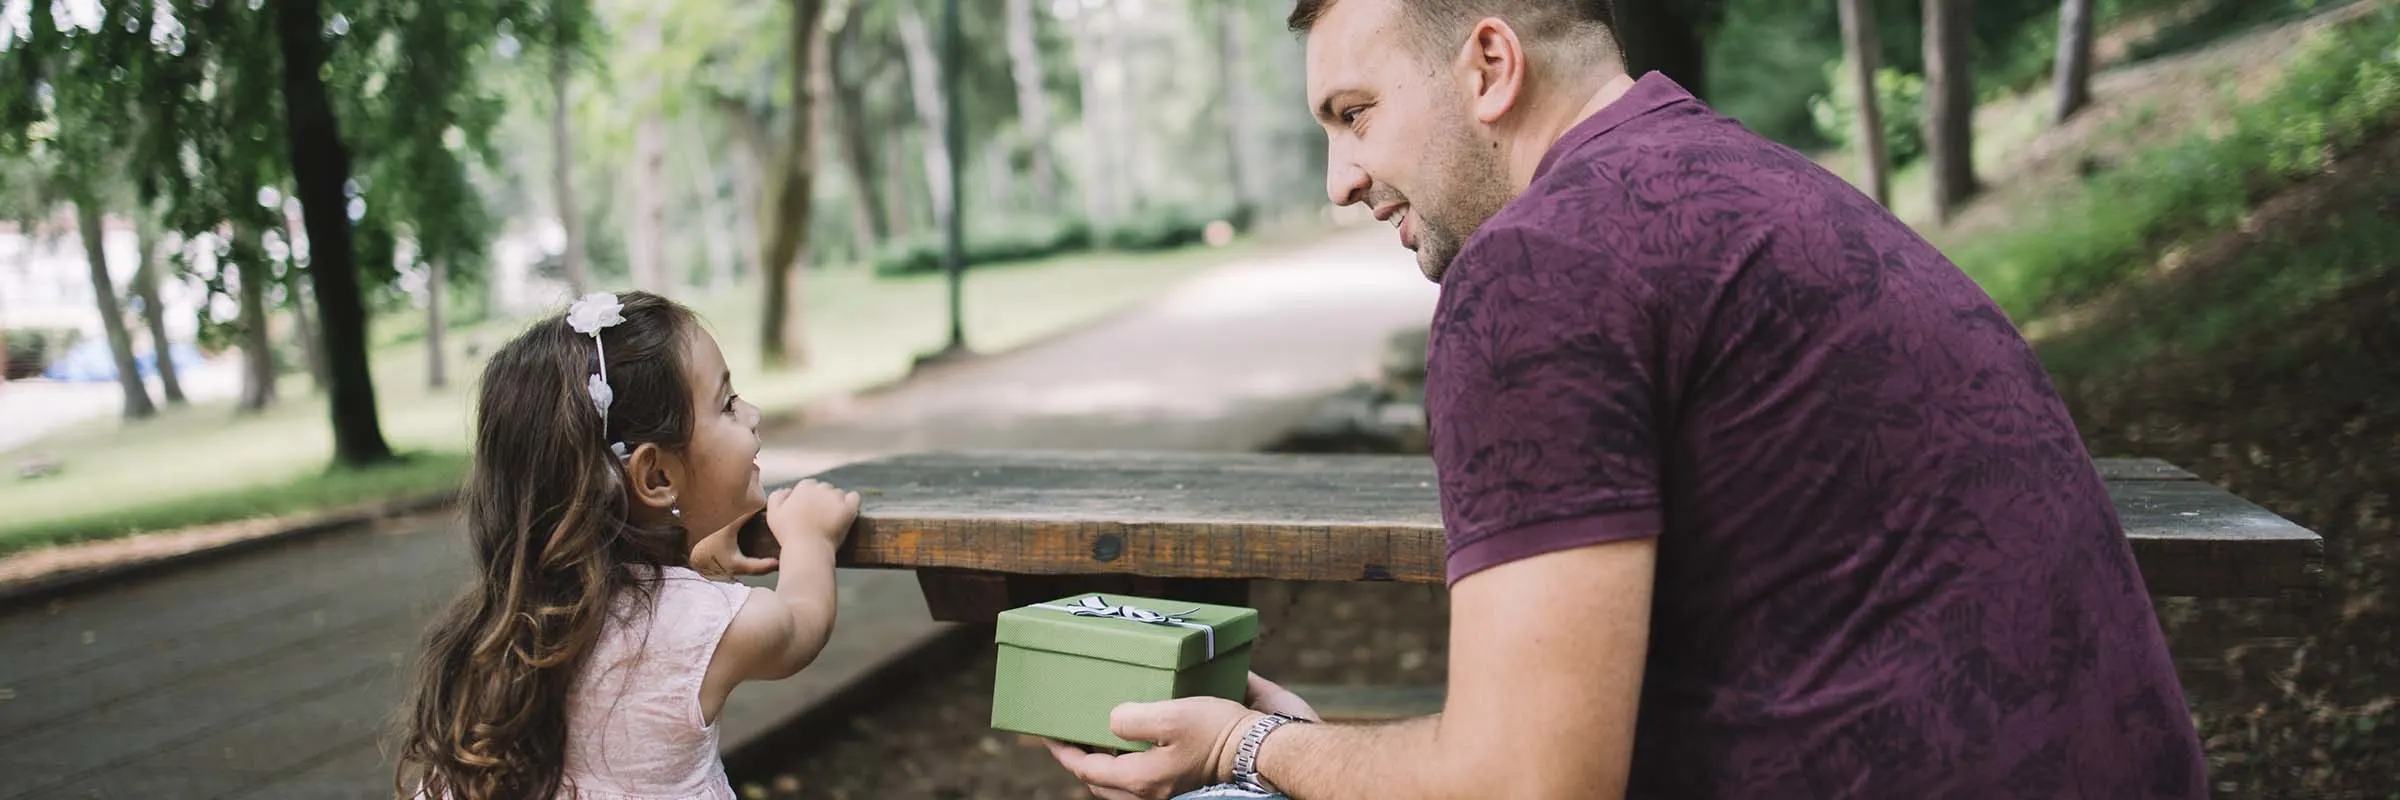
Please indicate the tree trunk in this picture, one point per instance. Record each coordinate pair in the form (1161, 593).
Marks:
(645, 236)
(873, 214)
(437, 288)
(789, 193)
(258, 344)
(1949, 105)
(320, 165)
(312, 347)
(645, 239)
(112, 315)
(1033, 101)
(925, 90)
(751, 156)
(154, 311)
(708, 218)
(1664, 35)
(1240, 111)
(562, 176)
(2074, 76)
(1102, 169)
(1858, 36)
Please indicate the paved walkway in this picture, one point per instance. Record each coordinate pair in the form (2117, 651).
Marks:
(275, 674)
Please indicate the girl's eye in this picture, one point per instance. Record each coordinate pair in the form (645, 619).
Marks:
(1350, 115)
(730, 401)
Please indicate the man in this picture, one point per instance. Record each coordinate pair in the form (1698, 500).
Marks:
(1749, 492)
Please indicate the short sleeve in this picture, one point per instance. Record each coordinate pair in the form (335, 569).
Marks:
(1540, 391)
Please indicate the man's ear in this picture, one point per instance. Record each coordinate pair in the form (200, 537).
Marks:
(1496, 67)
(656, 475)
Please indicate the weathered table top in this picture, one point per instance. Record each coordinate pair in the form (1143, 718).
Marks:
(1349, 518)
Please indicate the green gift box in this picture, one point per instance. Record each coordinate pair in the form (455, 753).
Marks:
(1064, 665)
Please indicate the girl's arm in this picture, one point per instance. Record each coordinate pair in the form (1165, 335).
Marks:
(778, 633)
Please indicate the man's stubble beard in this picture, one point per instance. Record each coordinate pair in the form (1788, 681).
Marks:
(1473, 184)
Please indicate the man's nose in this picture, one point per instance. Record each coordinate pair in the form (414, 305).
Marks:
(1345, 183)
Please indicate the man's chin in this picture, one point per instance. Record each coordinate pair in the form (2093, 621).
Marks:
(1431, 266)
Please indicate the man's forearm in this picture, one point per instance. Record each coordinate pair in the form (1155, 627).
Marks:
(1388, 760)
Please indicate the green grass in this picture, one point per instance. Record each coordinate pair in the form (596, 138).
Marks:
(2344, 87)
(413, 475)
(204, 464)
(2273, 285)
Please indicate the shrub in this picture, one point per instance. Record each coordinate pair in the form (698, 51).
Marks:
(1899, 95)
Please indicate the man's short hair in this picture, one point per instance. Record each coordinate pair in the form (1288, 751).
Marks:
(1438, 24)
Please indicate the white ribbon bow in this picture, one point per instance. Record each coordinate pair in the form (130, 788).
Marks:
(1093, 607)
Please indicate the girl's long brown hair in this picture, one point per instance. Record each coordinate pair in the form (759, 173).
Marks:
(547, 512)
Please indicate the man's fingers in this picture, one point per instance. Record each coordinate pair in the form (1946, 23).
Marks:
(1141, 722)
(1096, 770)
(1265, 695)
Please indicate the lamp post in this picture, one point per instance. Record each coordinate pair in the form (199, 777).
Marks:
(954, 248)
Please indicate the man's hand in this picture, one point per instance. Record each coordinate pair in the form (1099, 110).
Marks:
(719, 556)
(1195, 739)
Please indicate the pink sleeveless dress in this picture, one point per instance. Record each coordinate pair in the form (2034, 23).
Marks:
(634, 728)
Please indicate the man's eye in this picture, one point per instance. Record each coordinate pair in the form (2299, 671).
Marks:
(1350, 115)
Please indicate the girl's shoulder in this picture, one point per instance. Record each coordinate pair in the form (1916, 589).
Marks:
(689, 609)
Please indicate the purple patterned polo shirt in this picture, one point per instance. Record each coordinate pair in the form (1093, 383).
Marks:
(1887, 566)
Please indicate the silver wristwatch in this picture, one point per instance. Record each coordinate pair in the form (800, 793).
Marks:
(1245, 755)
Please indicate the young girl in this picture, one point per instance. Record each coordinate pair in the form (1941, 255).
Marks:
(589, 659)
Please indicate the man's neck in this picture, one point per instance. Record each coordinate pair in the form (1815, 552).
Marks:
(1544, 131)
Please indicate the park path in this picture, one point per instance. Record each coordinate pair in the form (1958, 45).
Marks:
(274, 674)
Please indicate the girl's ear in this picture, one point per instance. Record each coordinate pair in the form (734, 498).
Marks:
(656, 474)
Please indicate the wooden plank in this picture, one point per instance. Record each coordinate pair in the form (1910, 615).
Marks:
(2196, 540)
(1375, 518)
(979, 597)
(2141, 469)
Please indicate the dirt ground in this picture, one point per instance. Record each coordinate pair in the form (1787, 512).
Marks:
(936, 742)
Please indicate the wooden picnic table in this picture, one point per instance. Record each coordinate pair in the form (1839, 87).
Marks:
(989, 530)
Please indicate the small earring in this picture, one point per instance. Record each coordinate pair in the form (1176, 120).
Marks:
(674, 509)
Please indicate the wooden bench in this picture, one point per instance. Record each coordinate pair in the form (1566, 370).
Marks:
(988, 531)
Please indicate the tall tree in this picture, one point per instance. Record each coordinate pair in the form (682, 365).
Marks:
(1104, 171)
(789, 192)
(646, 223)
(88, 219)
(852, 72)
(1033, 99)
(2073, 79)
(1865, 59)
(154, 311)
(437, 289)
(567, 33)
(1669, 36)
(1240, 111)
(320, 167)
(253, 327)
(1949, 104)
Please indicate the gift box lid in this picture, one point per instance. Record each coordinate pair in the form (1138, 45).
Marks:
(1165, 634)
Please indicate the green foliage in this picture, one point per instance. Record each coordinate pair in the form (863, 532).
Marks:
(412, 476)
(2219, 18)
(1900, 97)
(30, 350)
(2342, 88)
(1029, 239)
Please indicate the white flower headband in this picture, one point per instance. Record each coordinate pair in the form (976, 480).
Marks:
(589, 316)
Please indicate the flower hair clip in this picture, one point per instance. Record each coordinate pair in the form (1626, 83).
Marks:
(589, 316)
